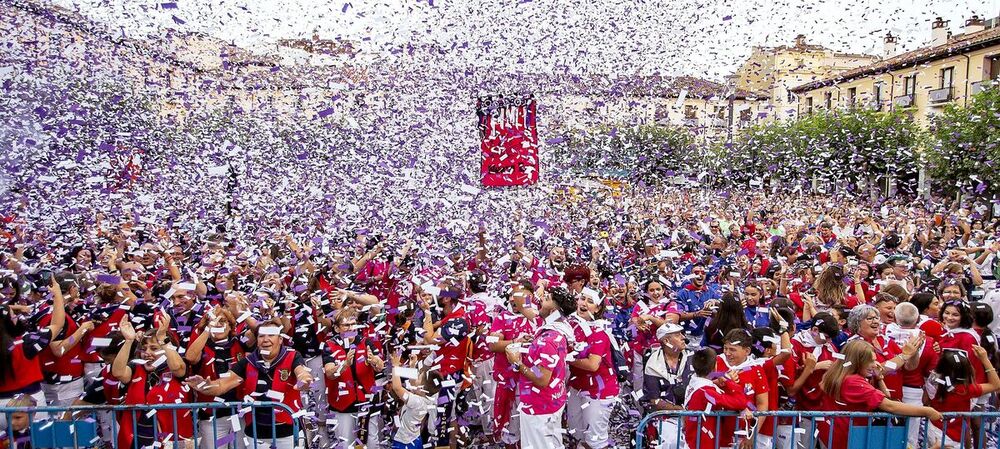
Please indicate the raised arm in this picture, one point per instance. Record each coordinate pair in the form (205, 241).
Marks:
(58, 309)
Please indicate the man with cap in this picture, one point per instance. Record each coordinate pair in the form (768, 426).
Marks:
(666, 372)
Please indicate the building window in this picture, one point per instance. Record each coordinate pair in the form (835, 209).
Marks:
(852, 94)
(690, 111)
(720, 112)
(947, 77)
(877, 94)
(828, 100)
(809, 105)
(994, 65)
(910, 85)
(746, 115)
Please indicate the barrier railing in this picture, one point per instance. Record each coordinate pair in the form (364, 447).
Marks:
(798, 430)
(234, 425)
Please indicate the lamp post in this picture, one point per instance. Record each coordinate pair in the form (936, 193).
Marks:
(731, 90)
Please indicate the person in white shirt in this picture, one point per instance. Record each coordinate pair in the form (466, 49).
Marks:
(416, 402)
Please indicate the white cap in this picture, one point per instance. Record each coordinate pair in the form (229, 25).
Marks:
(667, 329)
(592, 294)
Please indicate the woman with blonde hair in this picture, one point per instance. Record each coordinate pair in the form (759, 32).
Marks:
(848, 387)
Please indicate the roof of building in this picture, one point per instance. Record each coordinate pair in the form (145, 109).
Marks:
(958, 44)
(650, 86)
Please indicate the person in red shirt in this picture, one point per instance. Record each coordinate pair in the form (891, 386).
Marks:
(951, 388)
(929, 307)
(813, 352)
(516, 326)
(737, 347)
(846, 387)
(864, 323)
(956, 316)
(706, 395)
(593, 386)
(213, 349)
(20, 352)
(778, 366)
(155, 380)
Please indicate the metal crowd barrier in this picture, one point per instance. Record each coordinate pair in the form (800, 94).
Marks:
(881, 430)
(83, 426)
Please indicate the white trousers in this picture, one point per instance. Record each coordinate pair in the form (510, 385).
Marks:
(317, 401)
(276, 443)
(542, 431)
(63, 395)
(670, 435)
(934, 436)
(485, 389)
(783, 436)
(343, 428)
(589, 419)
(224, 426)
(913, 396)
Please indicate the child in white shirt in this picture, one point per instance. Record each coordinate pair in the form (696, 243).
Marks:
(417, 401)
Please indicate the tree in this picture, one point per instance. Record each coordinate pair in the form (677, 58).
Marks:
(646, 153)
(851, 148)
(966, 145)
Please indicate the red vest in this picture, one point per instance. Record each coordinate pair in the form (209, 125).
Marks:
(170, 392)
(66, 364)
(206, 366)
(348, 388)
(26, 372)
(283, 383)
(90, 353)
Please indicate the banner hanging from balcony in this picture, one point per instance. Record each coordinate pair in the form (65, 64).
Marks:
(508, 140)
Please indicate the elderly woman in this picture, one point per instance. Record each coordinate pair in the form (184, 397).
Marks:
(864, 323)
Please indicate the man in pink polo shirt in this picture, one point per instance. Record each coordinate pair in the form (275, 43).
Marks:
(543, 373)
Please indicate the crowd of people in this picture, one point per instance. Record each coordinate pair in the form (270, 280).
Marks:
(533, 337)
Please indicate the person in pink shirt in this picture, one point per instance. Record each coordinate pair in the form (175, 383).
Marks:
(593, 386)
(650, 312)
(516, 326)
(543, 373)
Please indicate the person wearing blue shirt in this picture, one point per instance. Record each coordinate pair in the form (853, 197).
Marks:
(693, 297)
(758, 315)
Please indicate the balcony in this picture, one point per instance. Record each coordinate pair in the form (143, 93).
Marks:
(903, 101)
(980, 86)
(942, 95)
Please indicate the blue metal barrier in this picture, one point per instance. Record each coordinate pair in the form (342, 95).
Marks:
(979, 430)
(100, 426)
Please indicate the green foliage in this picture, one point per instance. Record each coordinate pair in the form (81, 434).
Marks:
(646, 153)
(845, 146)
(966, 145)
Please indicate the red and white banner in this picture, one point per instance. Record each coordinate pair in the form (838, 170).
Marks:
(509, 141)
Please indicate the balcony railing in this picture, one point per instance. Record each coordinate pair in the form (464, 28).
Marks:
(903, 101)
(980, 86)
(942, 95)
